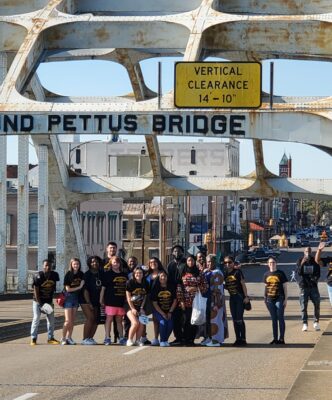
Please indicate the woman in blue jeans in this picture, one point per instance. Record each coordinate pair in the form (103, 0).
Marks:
(276, 299)
(164, 301)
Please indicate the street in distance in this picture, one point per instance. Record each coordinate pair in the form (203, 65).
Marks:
(218, 85)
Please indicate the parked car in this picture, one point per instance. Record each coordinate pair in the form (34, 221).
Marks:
(258, 255)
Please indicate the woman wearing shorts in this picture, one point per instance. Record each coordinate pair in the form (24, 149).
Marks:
(73, 282)
(113, 295)
(136, 291)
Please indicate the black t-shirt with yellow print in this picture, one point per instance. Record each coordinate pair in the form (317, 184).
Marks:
(164, 296)
(115, 288)
(274, 284)
(46, 283)
(233, 282)
(137, 291)
(327, 262)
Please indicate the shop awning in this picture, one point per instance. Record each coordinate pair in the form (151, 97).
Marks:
(255, 227)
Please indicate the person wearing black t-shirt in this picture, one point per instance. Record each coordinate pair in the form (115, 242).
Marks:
(325, 262)
(113, 295)
(44, 286)
(308, 272)
(163, 297)
(237, 289)
(275, 297)
(91, 294)
(73, 282)
(174, 271)
(136, 292)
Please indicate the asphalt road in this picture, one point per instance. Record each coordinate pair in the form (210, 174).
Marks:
(257, 372)
(286, 262)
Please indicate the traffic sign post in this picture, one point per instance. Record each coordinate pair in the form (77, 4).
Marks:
(218, 85)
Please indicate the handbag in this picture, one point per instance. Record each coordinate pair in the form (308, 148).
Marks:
(60, 300)
(247, 306)
(198, 315)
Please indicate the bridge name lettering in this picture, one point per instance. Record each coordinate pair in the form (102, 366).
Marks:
(140, 123)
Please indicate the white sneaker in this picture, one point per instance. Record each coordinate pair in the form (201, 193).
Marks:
(92, 341)
(63, 342)
(163, 344)
(155, 342)
(205, 342)
(70, 341)
(130, 343)
(316, 326)
(304, 327)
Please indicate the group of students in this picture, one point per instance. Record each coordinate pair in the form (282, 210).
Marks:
(128, 293)
(124, 294)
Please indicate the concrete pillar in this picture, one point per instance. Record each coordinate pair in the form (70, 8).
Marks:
(60, 243)
(23, 213)
(3, 189)
(42, 203)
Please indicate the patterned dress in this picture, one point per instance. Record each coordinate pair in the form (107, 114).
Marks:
(219, 328)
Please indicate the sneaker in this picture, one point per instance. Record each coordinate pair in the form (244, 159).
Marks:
(70, 341)
(281, 341)
(316, 326)
(92, 341)
(87, 342)
(33, 342)
(155, 342)
(107, 342)
(63, 342)
(130, 343)
(163, 344)
(274, 341)
(53, 341)
(176, 342)
(122, 341)
(304, 327)
(145, 341)
(213, 343)
(204, 342)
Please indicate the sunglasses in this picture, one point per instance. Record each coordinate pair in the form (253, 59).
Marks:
(228, 262)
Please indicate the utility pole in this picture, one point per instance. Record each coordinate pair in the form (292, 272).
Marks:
(143, 234)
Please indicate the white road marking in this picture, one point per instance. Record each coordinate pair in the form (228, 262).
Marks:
(128, 353)
(26, 396)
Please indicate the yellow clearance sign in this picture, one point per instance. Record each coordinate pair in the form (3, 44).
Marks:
(218, 85)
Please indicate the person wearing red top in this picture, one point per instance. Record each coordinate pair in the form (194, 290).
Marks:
(191, 280)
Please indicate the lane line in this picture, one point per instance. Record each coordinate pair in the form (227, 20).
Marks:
(26, 396)
(128, 353)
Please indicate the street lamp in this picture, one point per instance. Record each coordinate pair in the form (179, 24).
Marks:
(70, 152)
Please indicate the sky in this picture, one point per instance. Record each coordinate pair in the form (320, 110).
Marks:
(292, 78)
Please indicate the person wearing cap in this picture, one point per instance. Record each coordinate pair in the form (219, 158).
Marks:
(44, 286)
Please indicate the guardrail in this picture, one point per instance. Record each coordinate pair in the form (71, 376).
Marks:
(12, 280)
